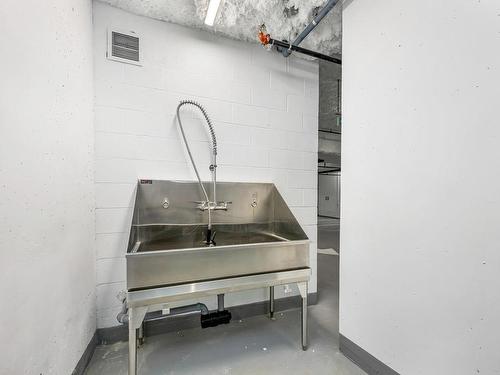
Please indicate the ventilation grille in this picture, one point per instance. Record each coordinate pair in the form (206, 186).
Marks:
(123, 47)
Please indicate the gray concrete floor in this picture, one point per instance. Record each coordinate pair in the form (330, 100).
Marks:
(256, 345)
(328, 233)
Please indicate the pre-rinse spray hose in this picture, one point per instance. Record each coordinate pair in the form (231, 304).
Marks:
(214, 150)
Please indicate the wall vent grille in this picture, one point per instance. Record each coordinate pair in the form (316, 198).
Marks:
(124, 47)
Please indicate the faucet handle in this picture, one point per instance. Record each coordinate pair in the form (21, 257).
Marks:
(223, 205)
(202, 205)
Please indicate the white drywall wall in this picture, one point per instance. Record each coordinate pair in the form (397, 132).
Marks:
(265, 111)
(47, 257)
(420, 238)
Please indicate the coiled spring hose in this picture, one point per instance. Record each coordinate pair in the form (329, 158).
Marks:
(214, 152)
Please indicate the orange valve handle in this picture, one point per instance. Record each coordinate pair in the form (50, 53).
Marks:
(264, 38)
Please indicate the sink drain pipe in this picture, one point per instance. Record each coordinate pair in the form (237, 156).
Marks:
(221, 316)
(207, 318)
(122, 316)
(220, 302)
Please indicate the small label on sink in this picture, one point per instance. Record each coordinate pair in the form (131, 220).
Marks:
(146, 182)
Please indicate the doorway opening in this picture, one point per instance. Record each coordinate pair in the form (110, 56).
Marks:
(329, 192)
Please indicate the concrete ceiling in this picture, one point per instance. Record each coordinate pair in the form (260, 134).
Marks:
(240, 19)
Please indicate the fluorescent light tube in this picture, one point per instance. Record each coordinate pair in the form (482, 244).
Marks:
(213, 7)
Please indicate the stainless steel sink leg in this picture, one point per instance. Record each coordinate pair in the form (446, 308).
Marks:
(303, 293)
(135, 318)
(132, 347)
(271, 302)
(140, 334)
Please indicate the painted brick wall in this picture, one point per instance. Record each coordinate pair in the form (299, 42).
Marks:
(265, 111)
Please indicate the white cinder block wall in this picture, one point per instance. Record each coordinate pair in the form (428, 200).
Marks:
(420, 234)
(265, 110)
(47, 257)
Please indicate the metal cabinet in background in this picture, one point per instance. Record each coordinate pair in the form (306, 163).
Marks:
(329, 195)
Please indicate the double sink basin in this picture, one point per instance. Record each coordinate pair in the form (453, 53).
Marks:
(256, 234)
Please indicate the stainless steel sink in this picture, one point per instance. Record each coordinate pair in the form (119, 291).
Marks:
(256, 234)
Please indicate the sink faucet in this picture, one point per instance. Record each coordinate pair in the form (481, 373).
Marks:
(207, 204)
(204, 205)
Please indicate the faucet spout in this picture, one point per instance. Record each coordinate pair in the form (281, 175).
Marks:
(210, 241)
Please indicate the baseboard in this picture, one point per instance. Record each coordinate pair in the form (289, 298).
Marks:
(86, 356)
(363, 359)
(179, 323)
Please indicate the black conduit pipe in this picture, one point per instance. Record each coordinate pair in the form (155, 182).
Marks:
(304, 51)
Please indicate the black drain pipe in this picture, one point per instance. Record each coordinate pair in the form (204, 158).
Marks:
(220, 316)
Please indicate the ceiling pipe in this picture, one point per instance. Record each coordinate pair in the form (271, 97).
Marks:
(267, 40)
(322, 13)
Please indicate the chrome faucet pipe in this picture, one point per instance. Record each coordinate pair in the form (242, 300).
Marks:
(213, 171)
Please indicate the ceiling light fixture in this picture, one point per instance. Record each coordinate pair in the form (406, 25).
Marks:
(213, 8)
